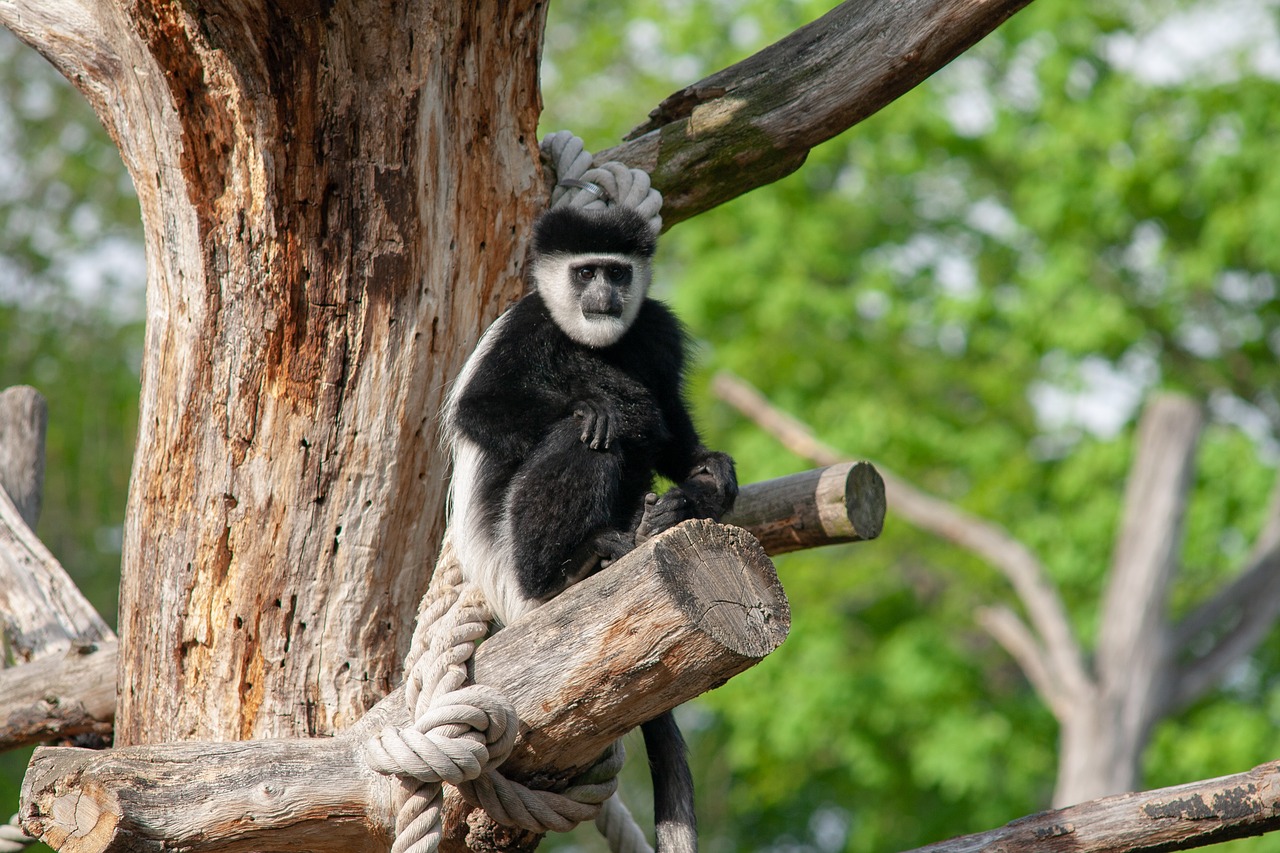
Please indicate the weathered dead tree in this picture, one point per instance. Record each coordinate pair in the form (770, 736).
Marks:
(682, 614)
(1146, 666)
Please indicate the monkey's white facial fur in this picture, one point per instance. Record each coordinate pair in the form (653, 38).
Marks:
(594, 298)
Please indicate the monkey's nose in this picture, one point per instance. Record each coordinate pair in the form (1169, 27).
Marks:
(601, 301)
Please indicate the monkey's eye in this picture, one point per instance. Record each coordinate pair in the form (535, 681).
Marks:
(618, 273)
(586, 274)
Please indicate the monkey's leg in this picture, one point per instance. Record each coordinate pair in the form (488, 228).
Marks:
(562, 498)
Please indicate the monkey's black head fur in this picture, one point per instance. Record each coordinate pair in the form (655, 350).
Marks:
(574, 231)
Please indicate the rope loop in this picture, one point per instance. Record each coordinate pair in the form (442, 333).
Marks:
(579, 184)
(462, 733)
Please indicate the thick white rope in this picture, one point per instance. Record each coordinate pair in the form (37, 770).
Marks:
(613, 183)
(461, 733)
(12, 837)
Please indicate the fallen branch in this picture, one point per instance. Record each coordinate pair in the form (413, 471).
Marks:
(679, 616)
(1179, 818)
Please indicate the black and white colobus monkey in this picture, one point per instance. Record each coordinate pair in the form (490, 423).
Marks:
(557, 423)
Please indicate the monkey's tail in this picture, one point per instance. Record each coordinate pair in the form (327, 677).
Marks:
(675, 824)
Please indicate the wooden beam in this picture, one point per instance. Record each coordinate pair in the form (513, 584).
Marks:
(825, 506)
(680, 615)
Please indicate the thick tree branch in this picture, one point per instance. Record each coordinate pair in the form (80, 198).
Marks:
(59, 696)
(988, 541)
(754, 122)
(42, 610)
(1178, 818)
(680, 615)
(1133, 638)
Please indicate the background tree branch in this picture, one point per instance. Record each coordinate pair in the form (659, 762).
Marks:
(1024, 572)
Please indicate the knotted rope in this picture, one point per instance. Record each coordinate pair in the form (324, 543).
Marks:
(613, 183)
(461, 733)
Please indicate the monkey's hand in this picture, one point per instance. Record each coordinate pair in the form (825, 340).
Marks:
(712, 486)
(662, 513)
(599, 423)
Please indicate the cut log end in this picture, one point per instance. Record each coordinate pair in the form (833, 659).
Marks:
(841, 503)
(866, 515)
(733, 592)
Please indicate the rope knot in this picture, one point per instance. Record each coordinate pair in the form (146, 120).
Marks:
(465, 733)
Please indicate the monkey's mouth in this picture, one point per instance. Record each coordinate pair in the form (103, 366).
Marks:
(602, 315)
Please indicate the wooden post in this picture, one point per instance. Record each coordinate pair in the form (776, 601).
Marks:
(24, 418)
(826, 506)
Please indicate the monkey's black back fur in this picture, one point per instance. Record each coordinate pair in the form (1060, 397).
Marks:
(574, 231)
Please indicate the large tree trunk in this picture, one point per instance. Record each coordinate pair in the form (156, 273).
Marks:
(333, 198)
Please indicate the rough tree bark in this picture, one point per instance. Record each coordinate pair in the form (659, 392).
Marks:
(333, 200)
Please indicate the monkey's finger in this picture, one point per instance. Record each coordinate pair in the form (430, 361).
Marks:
(610, 431)
(588, 416)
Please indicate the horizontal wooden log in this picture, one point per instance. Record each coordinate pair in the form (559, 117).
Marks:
(59, 697)
(24, 418)
(680, 615)
(1179, 818)
(825, 506)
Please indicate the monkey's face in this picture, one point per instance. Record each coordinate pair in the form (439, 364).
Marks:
(594, 299)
